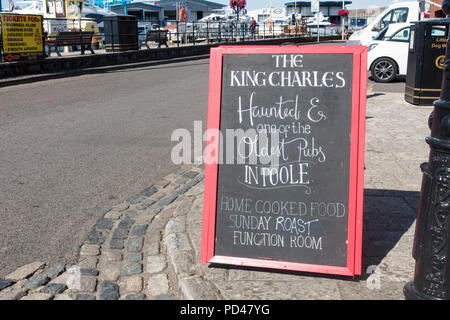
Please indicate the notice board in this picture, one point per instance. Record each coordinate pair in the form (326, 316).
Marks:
(285, 158)
(21, 36)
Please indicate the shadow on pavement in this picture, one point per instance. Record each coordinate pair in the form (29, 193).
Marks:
(397, 79)
(153, 67)
(373, 95)
(388, 215)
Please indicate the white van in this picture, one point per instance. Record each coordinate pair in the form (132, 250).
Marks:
(395, 13)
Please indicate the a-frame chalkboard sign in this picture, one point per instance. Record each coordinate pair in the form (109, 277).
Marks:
(285, 158)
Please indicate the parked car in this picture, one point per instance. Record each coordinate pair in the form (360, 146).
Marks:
(388, 52)
(398, 12)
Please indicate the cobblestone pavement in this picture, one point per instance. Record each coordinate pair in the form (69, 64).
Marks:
(148, 247)
(124, 256)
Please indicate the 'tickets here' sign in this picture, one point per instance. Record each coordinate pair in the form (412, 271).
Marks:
(285, 158)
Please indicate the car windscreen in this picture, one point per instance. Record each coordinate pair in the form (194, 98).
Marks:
(381, 34)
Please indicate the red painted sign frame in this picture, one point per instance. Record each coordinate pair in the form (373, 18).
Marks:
(356, 182)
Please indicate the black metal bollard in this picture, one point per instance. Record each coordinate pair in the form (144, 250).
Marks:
(432, 238)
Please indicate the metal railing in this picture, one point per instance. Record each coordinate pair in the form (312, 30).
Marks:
(54, 25)
(194, 32)
(222, 32)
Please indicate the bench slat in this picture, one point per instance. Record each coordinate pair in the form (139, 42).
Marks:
(159, 36)
(73, 38)
(156, 35)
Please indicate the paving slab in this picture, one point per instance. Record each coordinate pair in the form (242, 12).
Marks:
(25, 271)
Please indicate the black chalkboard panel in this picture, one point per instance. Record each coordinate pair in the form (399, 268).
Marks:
(283, 173)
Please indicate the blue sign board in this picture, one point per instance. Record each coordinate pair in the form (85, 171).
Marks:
(358, 22)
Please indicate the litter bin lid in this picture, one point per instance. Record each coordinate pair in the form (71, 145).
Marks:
(436, 21)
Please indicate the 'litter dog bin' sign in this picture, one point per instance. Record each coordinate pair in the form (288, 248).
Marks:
(285, 158)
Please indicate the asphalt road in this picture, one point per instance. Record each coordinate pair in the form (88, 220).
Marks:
(398, 85)
(71, 148)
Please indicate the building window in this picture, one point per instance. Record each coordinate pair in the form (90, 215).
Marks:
(60, 8)
(151, 16)
(50, 7)
(136, 13)
(170, 14)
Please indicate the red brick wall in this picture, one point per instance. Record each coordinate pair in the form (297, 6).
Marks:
(436, 12)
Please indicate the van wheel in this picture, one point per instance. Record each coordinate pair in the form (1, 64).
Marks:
(384, 70)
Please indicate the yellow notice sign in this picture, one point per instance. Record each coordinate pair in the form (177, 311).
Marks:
(21, 34)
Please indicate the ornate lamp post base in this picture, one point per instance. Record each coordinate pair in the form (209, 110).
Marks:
(411, 293)
(431, 243)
